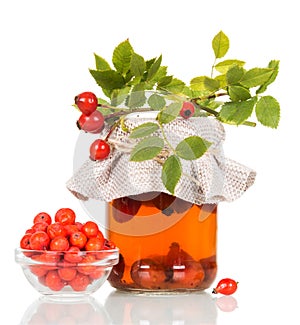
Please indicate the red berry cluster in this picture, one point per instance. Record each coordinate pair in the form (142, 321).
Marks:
(92, 121)
(65, 250)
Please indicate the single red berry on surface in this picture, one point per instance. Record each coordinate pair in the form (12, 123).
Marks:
(87, 102)
(78, 239)
(39, 240)
(226, 286)
(99, 150)
(93, 123)
(187, 110)
(56, 229)
(59, 243)
(90, 229)
(42, 217)
(65, 216)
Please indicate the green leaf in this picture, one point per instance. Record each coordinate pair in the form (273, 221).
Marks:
(268, 111)
(256, 77)
(144, 130)
(220, 44)
(211, 84)
(234, 75)
(147, 149)
(164, 81)
(238, 93)
(160, 74)
(154, 68)
(192, 147)
(156, 102)
(137, 65)
(118, 96)
(274, 64)
(197, 83)
(108, 79)
(175, 86)
(225, 65)
(122, 57)
(171, 173)
(237, 112)
(101, 64)
(169, 113)
(137, 97)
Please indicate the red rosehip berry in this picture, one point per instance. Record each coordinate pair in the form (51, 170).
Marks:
(56, 229)
(42, 217)
(226, 286)
(39, 240)
(78, 239)
(187, 110)
(25, 241)
(53, 281)
(59, 243)
(90, 229)
(87, 102)
(99, 150)
(93, 123)
(65, 216)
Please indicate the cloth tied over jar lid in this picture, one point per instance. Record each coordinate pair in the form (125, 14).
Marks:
(212, 178)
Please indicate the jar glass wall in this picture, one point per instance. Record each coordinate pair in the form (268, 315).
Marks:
(166, 244)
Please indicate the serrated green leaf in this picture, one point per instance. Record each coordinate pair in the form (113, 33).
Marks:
(237, 93)
(143, 130)
(101, 64)
(156, 101)
(211, 84)
(137, 65)
(237, 112)
(234, 75)
(268, 111)
(222, 81)
(118, 96)
(147, 149)
(220, 44)
(160, 74)
(164, 81)
(192, 147)
(169, 113)
(122, 57)
(274, 64)
(197, 83)
(175, 86)
(108, 79)
(256, 77)
(225, 65)
(154, 68)
(171, 173)
(137, 97)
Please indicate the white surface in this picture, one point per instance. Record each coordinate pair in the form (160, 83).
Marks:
(46, 50)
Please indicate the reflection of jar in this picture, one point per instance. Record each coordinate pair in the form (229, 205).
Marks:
(165, 243)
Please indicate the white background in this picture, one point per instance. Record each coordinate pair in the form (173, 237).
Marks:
(46, 50)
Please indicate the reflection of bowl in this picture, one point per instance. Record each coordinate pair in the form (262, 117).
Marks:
(46, 311)
(66, 274)
(193, 308)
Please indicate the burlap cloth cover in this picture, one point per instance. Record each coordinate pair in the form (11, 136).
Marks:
(210, 179)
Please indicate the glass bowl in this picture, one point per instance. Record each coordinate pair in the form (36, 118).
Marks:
(66, 274)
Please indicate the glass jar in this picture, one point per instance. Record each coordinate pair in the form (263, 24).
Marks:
(166, 244)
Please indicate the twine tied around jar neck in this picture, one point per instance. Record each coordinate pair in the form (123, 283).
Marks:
(212, 178)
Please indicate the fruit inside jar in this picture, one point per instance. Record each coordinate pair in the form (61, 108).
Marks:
(166, 244)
